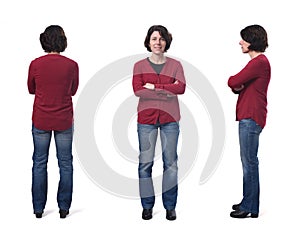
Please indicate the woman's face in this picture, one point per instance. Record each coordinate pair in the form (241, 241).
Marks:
(244, 46)
(157, 43)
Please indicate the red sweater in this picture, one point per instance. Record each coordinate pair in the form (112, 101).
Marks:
(161, 104)
(252, 101)
(54, 80)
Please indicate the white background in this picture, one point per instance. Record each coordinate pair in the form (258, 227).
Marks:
(206, 34)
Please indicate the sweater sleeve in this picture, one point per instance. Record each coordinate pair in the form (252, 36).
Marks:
(30, 79)
(75, 82)
(172, 88)
(249, 73)
(140, 91)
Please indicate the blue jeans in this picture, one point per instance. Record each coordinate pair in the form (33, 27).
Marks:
(249, 132)
(41, 141)
(147, 135)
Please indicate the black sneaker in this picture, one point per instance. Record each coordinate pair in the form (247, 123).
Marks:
(38, 215)
(236, 206)
(171, 214)
(63, 213)
(147, 214)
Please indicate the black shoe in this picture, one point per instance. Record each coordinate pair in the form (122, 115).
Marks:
(242, 214)
(147, 214)
(63, 213)
(236, 206)
(38, 215)
(171, 214)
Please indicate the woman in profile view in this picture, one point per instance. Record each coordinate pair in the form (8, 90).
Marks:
(251, 84)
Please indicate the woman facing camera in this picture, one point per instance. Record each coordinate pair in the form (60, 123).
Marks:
(157, 80)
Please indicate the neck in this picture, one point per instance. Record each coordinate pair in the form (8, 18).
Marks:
(254, 54)
(157, 59)
(53, 53)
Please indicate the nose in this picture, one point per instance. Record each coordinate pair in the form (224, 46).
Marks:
(241, 42)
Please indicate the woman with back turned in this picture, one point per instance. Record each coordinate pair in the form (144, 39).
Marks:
(53, 79)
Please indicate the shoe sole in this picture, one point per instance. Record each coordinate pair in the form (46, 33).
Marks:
(147, 218)
(254, 216)
(171, 218)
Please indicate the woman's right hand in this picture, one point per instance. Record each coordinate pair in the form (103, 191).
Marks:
(150, 86)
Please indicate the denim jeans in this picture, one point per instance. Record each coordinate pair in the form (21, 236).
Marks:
(63, 142)
(249, 132)
(147, 135)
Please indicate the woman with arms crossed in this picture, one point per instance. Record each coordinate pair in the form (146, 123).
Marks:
(251, 84)
(157, 80)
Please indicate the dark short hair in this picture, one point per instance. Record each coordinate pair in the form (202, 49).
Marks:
(257, 36)
(163, 32)
(53, 39)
